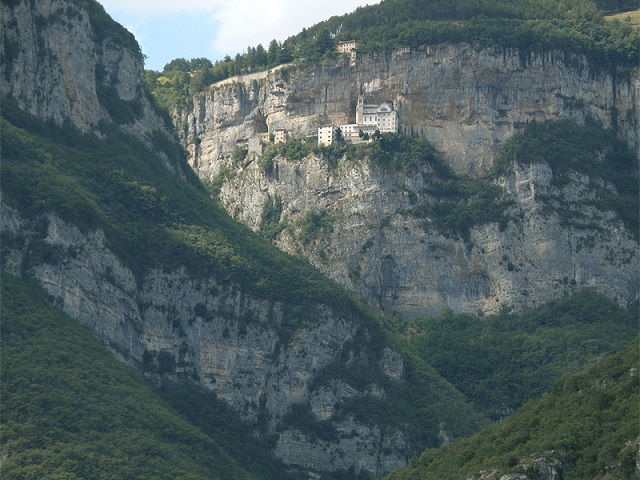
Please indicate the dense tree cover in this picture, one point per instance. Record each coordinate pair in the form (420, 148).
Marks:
(404, 154)
(380, 24)
(589, 421)
(500, 362)
(617, 5)
(182, 78)
(71, 411)
(530, 25)
(393, 12)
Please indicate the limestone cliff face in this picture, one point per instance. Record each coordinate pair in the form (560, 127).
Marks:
(170, 325)
(57, 65)
(401, 263)
(465, 101)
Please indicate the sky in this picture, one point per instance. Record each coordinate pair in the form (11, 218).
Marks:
(168, 29)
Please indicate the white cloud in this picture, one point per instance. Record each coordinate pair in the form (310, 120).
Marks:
(249, 22)
(236, 24)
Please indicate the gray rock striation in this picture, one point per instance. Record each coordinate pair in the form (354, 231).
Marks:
(56, 65)
(468, 103)
(402, 263)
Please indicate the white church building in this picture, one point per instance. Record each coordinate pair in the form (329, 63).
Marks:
(369, 118)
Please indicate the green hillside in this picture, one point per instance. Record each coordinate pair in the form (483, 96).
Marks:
(500, 362)
(151, 217)
(588, 423)
(577, 25)
(70, 410)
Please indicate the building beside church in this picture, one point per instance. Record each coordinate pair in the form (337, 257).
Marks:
(350, 47)
(327, 135)
(280, 136)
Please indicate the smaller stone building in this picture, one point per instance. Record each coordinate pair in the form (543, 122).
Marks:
(255, 145)
(280, 136)
(347, 46)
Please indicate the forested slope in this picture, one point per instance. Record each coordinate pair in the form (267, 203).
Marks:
(71, 410)
(586, 427)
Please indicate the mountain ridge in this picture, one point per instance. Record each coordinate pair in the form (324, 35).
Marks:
(176, 289)
(100, 208)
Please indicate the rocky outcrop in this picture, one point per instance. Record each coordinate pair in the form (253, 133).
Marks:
(553, 239)
(466, 101)
(170, 325)
(65, 61)
(547, 467)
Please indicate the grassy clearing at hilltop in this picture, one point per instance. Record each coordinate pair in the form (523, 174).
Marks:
(631, 18)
